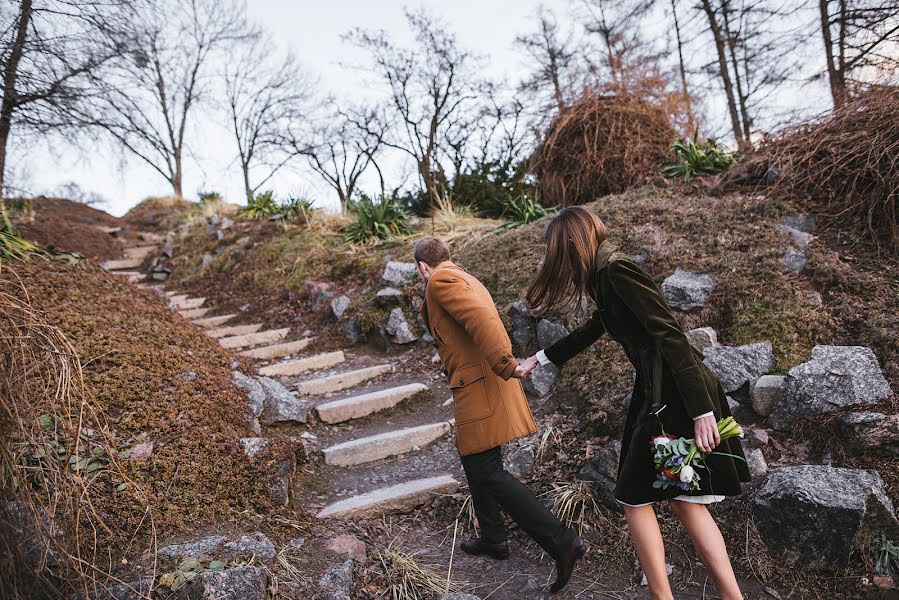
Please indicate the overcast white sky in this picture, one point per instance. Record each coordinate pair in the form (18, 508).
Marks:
(312, 29)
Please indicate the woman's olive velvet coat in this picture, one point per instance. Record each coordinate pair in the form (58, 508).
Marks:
(630, 308)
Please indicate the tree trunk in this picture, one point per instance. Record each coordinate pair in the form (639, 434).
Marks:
(246, 181)
(725, 75)
(9, 92)
(738, 80)
(834, 72)
(691, 122)
(176, 176)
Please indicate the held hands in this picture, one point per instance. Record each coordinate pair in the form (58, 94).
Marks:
(524, 368)
(706, 430)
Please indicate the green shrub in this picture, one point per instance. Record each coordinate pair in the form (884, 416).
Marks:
(522, 210)
(209, 197)
(13, 246)
(376, 220)
(261, 206)
(296, 209)
(698, 159)
(489, 187)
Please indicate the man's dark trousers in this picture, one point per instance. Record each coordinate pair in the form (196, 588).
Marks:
(492, 488)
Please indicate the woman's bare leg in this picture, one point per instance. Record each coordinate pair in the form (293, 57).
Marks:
(647, 539)
(710, 545)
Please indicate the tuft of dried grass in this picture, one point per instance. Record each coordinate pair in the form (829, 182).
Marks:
(409, 579)
(574, 504)
(56, 457)
(844, 165)
(601, 145)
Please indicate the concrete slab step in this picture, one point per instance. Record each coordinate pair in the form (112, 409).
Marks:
(301, 365)
(177, 298)
(194, 313)
(278, 350)
(140, 252)
(232, 330)
(132, 276)
(383, 445)
(355, 407)
(187, 303)
(210, 322)
(268, 336)
(401, 497)
(171, 293)
(123, 264)
(341, 381)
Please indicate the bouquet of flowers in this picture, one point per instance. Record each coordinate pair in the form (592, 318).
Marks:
(678, 460)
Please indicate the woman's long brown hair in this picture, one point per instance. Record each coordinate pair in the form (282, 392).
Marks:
(572, 238)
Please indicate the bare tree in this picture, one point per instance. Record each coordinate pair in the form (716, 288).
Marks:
(344, 148)
(164, 76)
(265, 95)
(861, 37)
(430, 86)
(552, 54)
(682, 69)
(48, 52)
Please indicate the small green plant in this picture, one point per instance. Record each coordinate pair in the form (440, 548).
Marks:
(521, 210)
(376, 220)
(15, 247)
(296, 209)
(261, 206)
(209, 197)
(698, 159)
(887, 556)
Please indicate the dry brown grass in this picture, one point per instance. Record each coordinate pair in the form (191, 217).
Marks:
(601, 145)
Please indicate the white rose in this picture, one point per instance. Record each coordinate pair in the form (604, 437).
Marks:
(662, 441)
(686, 474)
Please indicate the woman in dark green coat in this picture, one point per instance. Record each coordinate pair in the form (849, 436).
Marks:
(674, 391)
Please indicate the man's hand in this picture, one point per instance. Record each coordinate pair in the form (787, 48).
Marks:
(706, 430)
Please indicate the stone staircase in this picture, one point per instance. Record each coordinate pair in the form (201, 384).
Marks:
(366, 442)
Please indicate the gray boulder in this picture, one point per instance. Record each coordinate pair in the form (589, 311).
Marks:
(246, 582)
(349, 328)
(280, 404)
(702, 338)
(399, 273)
(28, 532)
(685, 290)
(256, 392)
(256, 544)
(398, 327)
(202, 547)
(337, 583)
(814, 516)
(519, 459)
(138, 589)
(834, 378)
(755, 460)
(602, 474)
(548, 333)
(389, 297)
(462, 596)
(737, 365)
(541, 381)
(764, 394)
(872, 432)
(252, 446)
(339, 305)
(799, 221)
(793, 260)
(524, 327)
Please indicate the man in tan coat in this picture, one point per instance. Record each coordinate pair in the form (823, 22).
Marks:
(490, 409)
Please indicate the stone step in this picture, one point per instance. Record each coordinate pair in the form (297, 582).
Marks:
(132, 276)
(278, 350)
(177, 298)
(383, 445)
(301, 365)
(232, 330)
(362, 405)
(174, 293)
(210, 322)
(187, 303)
(194, 313)
(401, 497)
(341, 381)
(140, 252)
(122, 264)
(254, 339)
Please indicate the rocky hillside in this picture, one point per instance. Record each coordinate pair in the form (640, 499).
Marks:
(285, 398)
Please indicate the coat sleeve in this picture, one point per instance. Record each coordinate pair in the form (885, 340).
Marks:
(577, 341)
(479, 319)
(643, 297)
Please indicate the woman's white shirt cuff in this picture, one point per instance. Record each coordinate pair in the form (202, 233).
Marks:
(541, 358)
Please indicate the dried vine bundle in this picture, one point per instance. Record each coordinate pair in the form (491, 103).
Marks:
(56, 458)
(601, 145)
(844, 165)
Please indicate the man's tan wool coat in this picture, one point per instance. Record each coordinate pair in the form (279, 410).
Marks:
(490, 405)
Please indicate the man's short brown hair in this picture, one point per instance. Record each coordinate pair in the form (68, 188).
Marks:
(430, 250)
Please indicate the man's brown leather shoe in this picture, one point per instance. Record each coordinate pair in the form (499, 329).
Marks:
(565, 563)
(479, 548)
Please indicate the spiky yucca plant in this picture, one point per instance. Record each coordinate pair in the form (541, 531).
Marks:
(698, 159)
(521, 210)
(375, 220)
(261, 206)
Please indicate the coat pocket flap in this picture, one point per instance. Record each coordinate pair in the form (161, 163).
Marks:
(466, 375)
